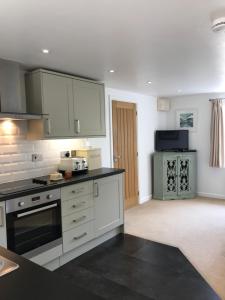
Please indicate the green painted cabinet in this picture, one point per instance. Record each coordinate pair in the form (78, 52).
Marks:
(89, 108)
(75, 106)
(174, 175)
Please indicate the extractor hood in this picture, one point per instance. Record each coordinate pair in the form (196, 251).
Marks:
(12, 93)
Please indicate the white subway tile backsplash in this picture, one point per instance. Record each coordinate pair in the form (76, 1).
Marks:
(16, 148)
(16, 153)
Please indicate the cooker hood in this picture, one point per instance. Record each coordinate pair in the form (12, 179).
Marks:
(12, 93)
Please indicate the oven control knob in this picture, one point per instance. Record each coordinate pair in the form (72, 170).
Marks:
(49, 196)
(21, 203)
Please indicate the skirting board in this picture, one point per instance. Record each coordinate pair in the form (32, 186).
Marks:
(145, 199)
(209, 195)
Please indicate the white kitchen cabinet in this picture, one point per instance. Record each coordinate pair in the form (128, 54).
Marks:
(108, 203)
(3, 239)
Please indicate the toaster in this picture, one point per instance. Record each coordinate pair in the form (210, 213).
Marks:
(74, 164)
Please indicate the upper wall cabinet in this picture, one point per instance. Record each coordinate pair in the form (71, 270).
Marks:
(75, 107)
(51, 94)
(89, 108)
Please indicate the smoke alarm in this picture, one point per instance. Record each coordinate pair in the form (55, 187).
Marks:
(218, 24)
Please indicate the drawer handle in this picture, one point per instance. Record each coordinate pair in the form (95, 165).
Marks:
(77, 205)
(80, 236)
(79, 219)
(78, 191)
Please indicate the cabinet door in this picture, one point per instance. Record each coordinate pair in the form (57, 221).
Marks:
(170, 176)
(186, 175)
(58, 103)
(89, 108)
(108, 203)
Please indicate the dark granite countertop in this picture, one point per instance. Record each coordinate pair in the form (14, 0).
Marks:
(31, 281)
(90, 175)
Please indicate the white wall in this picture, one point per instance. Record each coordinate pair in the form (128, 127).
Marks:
(147, 122)
(211, 181)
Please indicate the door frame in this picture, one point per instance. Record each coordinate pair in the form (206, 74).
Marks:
(126, 100)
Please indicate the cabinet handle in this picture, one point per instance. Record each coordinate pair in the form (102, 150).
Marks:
(79, 204)
(79, 219)
(49, 129)
(1, 217)
(77, 126)
(80, 236)
(96, 191)
(78, 191)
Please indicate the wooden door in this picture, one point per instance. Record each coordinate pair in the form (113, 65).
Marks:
(125, 147)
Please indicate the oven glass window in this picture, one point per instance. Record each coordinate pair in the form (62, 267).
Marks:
(31, 231)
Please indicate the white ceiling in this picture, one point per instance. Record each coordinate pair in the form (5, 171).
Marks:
(168, 42)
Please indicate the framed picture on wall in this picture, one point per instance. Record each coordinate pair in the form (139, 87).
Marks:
(187, 119)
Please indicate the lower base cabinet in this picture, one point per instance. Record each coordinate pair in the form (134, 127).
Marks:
(108, 204)
(92, 212)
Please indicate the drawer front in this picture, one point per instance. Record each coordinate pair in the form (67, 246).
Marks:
(74, 205)
(78, 236)
(77, 219)
(77, 190)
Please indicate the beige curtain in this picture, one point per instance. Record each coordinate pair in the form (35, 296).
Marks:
(217, 135)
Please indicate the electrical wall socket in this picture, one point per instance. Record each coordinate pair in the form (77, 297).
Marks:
(63, 153)
(37, 157)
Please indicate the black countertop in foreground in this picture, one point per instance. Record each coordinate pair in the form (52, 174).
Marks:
(90, 175)
(31, 281)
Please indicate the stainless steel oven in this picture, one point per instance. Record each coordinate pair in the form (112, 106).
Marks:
(34, 223)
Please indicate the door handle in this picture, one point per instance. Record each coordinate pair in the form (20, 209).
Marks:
(77, 126)
(116, 158)
(48, 129)
(27, 213)
(1, 217)
(96, 191)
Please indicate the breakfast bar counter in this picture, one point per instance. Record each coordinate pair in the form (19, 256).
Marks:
(31, 281)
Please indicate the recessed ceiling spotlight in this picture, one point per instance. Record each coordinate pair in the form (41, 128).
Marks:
(111, 71)
(149, 82)
(45, 51)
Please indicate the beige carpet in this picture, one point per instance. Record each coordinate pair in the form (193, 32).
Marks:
(196, 226)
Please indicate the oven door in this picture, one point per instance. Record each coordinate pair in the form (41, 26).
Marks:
(31, 228)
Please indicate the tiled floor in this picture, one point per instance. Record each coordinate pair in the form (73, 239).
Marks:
(128, 267)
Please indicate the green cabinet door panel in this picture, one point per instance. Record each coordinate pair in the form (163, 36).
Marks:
(89, 108)
(58, 103)
(174, 175)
